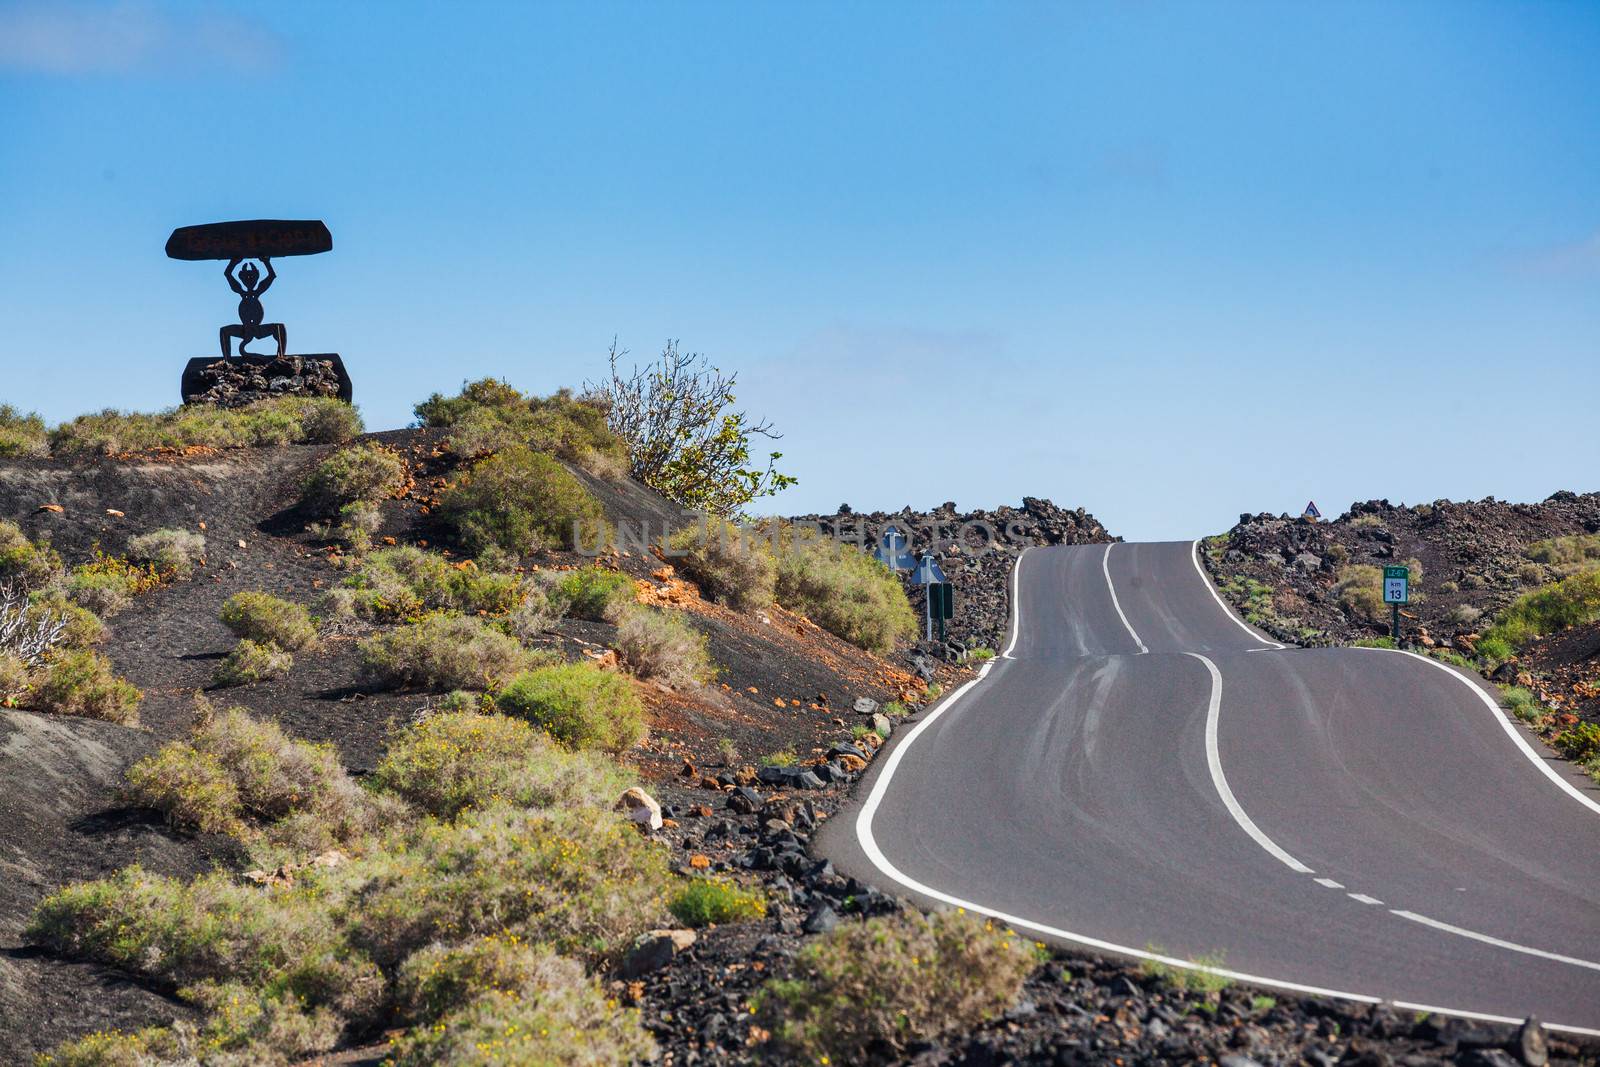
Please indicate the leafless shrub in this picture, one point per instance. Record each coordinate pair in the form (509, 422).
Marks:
(24, 633)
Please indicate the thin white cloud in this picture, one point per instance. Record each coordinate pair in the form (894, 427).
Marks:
(130, 37)
(1572, 257)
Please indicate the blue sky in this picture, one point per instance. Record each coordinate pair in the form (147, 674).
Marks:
(1170, 262)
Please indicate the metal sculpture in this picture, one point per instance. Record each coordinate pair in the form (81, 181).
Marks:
(247, 375)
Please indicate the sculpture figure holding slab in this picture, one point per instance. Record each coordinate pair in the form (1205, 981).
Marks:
(247, 376)
(250, 327)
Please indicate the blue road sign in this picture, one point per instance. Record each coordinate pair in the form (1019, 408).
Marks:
(928, 572)
(891, 551)
(1311, 511)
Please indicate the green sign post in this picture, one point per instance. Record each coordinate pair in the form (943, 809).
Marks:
(1396, 591)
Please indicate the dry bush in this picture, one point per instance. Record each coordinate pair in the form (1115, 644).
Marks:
(14, 677)
(1359, 591)
(578, 704)
(213, 929)
(83, 627)
(843, 590)
(32, 566)
(237, 774)
(518, 501)
(364, 473)
(107, 584)
(250, 662)
(594, 593)
(22, 435)
(661, 645)
(279, 421)
(500, 1000)
(582, 881)
(729, 565)
(442, 652)
(81, 682)
(451, 762)
(541, 608)
(266, 619)
(170, 551)
(868, 991)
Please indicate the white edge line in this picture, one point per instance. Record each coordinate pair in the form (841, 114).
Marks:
(1016, 603)
(869, 847)
(1220, 780)
(1495, 941)
(1505, 724)
(1105, 565)
(1194, 557)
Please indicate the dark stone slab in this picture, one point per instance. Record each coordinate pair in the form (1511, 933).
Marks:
(252, 239)
(239, 380)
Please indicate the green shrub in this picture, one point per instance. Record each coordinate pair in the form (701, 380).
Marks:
(403, 582)
(250, 662)
(704, 901)
(33, 566)
(1573, 601)
(783, 757)
(866, 992)
(106, 584)
(661, 645)
(844, 591)
(279, 421)
(497, 1000)
(490, 416)
(267, 619)
(442, 652)
(729, 565)
(21, 435)
(363, 473)
(582, 881)
(1579, 743)
(213, 929)
(170, 551)
(81, 682)
(154, 1046)
(237, 773)
(579, 705)
(454, 761)
(1187, 979)
(518, 501)
(595, 593)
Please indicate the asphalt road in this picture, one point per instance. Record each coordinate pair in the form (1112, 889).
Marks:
(1142, 773)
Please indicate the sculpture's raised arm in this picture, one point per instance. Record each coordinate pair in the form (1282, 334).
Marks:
(266, 283)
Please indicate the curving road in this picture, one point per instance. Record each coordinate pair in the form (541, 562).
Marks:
(1142, 773)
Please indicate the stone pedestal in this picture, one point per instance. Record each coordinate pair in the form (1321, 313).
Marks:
(237, 380)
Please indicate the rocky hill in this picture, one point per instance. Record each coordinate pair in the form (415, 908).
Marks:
(975, 549)
(1474, 565)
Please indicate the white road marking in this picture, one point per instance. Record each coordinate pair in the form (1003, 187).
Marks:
(1505, 724)
(1220, 780)
(1194, 557)
(875, 856)
(1362, 898)
(1329, 882)
(1495, 941)
(1016, 603)
(1105, 565)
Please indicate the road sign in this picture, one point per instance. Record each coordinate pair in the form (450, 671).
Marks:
(1396, 585)
(1396, 591)
(891, 551)
(1311, 511)
(928, 572)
